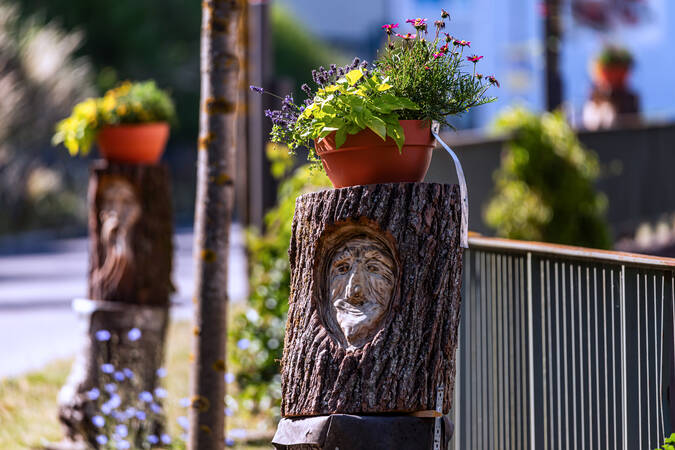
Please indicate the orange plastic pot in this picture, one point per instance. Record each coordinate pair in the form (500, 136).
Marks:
(365, 158)
(141, 143)
(612, 76)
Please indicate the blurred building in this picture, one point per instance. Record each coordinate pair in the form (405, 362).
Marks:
(509, 33)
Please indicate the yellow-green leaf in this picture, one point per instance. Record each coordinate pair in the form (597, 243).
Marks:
(354, 76)
(332, 88)
(384, 87)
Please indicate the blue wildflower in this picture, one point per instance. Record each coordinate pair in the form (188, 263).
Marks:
(229, 442)
(183, 422)
(119, 376)
(243, 343)
(101, 439)
(229, 377)
(110, 388)
(134, 334)
(93, 394)
(140, 415)
(107, 368)
(122, 444)
(154, 407)
(166, 439)
(153, 439)
(128, 373)
(102, 335)
(160, 392)
(98, 421)
(121, 430)
(161, 372)
(184, 402)
(145, 396)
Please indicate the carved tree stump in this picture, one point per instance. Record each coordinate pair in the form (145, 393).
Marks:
(375, 297)
(131, 250)
(131, 231)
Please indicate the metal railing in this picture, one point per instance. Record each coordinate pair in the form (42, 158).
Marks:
(563, 348)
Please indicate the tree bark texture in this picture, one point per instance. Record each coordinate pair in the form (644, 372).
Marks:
(131, 232)
(217, 137)
(395, 361)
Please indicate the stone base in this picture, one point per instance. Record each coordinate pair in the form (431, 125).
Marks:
(351, 432)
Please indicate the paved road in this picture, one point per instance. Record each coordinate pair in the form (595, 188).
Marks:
(37, 288)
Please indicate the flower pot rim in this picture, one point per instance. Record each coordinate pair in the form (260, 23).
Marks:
(381, 142)
(135, 124)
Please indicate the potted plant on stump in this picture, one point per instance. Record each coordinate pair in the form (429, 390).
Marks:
(372, 124)
(612, 67)
(130, 124)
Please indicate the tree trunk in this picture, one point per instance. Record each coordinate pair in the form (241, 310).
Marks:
(552, 45)
(217, 135)
(375, 296)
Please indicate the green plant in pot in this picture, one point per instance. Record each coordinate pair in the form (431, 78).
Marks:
(130, 124)
(367, 123)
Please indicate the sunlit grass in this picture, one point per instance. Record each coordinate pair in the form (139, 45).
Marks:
(28, 403)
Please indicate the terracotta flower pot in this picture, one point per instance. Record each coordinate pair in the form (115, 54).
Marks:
(365, 158)
(612, 76)
(141, 143)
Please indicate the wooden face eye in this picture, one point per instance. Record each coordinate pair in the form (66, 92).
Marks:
(342, 267)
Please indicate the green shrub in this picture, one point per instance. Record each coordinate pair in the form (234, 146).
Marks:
(544, 188)
(257, 333)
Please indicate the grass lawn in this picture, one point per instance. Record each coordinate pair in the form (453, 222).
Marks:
(28, 408)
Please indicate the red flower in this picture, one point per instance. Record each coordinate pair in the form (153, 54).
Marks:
(407, 36)
(419, 24)
(463, 43)
(438, 55)
(426, 67)
(444, 14)
(388, 27)
(474, 58)
(492, 80)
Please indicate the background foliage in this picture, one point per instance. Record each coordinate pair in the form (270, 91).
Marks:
(257, 333)
(544, 188)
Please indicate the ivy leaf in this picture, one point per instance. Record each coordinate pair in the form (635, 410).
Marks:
(378, 126)
(354, 76)
(340, 137)
(396, 133)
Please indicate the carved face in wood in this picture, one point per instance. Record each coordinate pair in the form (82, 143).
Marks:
(119, 210)
(361, 282)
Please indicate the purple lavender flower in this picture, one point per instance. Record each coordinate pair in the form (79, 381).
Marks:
(257, 89)
(355, 63)
(364, 64)
(306, 89)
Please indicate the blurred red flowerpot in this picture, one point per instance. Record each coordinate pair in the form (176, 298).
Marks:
(142, 143)
(612, 76)
(365, 158)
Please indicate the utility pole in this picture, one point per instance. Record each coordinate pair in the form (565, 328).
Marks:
(220, 42)
(552, 44)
